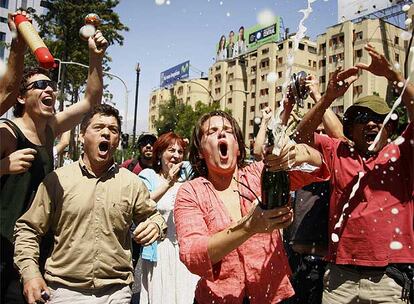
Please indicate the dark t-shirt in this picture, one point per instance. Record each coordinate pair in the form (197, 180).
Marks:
(310, 225)
(18, 190)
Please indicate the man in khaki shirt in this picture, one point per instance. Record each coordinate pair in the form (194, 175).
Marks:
(88, 206)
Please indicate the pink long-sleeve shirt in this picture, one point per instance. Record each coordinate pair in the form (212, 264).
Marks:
(257, 269)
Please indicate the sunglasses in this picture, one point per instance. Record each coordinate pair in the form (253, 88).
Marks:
(42, 85)
(145, 142)
(365, 117)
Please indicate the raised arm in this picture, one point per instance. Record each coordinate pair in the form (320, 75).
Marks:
(72, 116)
(9, 83)
(63, 142)
(331, 123)
(380, 66)
(337, 86)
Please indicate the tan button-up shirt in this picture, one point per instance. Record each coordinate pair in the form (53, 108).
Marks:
(90, 218)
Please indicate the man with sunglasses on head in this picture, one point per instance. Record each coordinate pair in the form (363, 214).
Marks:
(26, 150)
(371, 211)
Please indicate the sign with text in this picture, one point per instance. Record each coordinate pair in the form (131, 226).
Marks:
(172, 75)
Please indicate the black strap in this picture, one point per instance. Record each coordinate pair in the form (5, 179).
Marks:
(132, 164)
(21, 139)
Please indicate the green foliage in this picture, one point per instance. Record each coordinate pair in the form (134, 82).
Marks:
(181, 118)
(60, 29)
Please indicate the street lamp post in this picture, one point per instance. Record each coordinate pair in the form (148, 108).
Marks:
(138, 70)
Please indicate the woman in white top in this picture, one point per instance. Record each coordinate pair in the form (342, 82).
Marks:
(164, 278)
(240, 45)
(221, 51)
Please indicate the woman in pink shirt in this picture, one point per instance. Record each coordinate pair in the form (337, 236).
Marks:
(224, 237)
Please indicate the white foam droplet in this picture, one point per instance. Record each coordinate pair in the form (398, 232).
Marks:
(271, 77)
(265, 17)
(406, 8)
(168, 2)
(393, 159)
(395, 245)
(408, 21)
(14, 34)
(397, 230)
(159, 2)
(400, 84)
(340, 83)
(221, 2)
(396, 66)
(399, 140)
(394, 116)
(394, 211)
(334, 238)
(228, 14)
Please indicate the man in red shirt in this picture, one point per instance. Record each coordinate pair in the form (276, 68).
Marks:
(371, 205)
(144, 160)
(231, 243)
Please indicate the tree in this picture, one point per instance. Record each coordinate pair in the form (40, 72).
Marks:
(179, 118)
(60, 29)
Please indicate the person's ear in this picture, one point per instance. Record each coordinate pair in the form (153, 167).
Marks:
(21, 100)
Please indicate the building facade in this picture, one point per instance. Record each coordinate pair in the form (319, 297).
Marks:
(10, 6)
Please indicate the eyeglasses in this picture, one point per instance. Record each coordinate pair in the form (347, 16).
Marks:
(365, 117)
(42, 85)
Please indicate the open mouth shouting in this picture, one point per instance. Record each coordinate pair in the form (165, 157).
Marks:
(103, 148)
(47, 101)
(223, 149)
(369, 135)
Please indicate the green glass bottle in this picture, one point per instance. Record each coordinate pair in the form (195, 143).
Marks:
(275, 185)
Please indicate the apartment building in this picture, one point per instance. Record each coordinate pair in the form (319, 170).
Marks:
(10, 6)
(187, 91)
(243, 85)
(343, 46)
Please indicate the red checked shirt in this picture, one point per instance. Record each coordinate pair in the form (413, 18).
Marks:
(377, 227)
(257, 269)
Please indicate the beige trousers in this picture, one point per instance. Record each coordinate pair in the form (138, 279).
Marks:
(346, 285)
(114, 294)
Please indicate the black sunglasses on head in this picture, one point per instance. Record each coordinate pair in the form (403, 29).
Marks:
(42, 85)
(365, 117)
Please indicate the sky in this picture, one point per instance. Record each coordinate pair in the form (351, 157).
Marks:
(162, 36)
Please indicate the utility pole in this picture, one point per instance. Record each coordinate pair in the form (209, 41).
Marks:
(138, 70)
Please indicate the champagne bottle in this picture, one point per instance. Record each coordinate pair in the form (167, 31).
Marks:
(275, 185)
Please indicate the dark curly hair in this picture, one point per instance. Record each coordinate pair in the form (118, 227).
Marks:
(102, 109)
(18, 108)
(199, 164)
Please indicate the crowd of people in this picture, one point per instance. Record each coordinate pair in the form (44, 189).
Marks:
(194, 230)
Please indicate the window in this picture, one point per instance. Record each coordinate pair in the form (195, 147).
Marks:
(265, 51)
(397, 58)
(312, 49)
(314, 64)
(290, 44)
(322, 63)
(188, 100)
(357, 90)
(3, 20)
(309, 62)
(280, 60)
(253, 94)
(396, 40)
(322, 48)
(4, 3)
(218, 68)
(322, 79)
(253, 69)
(218, 78)
(2, 39)
(24, 4)
(253, 81)
(358, 53)
(280, 46)
(217, 90)
(230, 87)
(252, 108)
(301, 46)
(359, 36)
(278, 89)
(231, 76)
(280, 74)
(230, 100)
(264, 92)
(264, 63)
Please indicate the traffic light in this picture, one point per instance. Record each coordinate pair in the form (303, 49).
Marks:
(124, 140)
